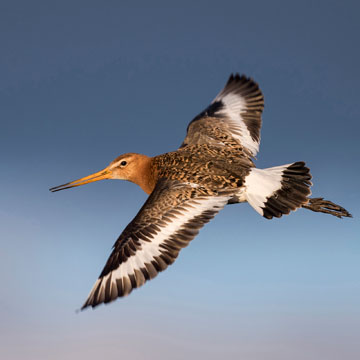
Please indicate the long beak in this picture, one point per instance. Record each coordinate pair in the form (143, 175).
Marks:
(100, 175)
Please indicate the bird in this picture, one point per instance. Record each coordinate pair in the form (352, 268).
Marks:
(212, 168)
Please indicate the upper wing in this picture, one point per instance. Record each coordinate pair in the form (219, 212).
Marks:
(232, 119)
(171, 217)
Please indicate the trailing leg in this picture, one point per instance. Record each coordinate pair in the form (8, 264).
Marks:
(327, 207)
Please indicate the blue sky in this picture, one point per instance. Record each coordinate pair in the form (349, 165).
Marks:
(81, 83)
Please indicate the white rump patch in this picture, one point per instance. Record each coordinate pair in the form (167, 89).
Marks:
(261, 184)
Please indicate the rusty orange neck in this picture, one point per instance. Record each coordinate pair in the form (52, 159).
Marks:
(145, 175)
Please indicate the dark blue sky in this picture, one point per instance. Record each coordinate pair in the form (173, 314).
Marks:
(84, 81)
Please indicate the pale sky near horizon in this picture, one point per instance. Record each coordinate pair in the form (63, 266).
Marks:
(84, 81)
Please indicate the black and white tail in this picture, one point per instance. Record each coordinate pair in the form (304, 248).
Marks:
(278, 190)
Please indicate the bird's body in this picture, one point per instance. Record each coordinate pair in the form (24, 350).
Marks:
(204, 165)
(212, 168)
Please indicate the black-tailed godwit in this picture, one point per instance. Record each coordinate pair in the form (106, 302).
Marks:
(212, 168)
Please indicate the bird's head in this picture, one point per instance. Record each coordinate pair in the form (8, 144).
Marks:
(132, 167)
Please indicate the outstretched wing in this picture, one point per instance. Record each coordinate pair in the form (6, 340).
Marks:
(232, 119)
(169, 219)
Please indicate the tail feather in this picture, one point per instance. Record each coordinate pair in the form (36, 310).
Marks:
(278, 190)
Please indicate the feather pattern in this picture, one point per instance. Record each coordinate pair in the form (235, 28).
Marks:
(188, 187)
(170, 218)
(232, 119)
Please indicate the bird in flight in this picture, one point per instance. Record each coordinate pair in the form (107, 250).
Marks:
(212, 168)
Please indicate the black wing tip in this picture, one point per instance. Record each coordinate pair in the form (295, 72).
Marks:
(246, 87)
(88, 305)
(91, 303)
(124, 286)
(236, 77)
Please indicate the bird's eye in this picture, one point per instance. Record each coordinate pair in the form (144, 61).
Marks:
(123, 163)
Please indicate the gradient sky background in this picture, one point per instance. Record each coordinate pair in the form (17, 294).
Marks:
(84, 81)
